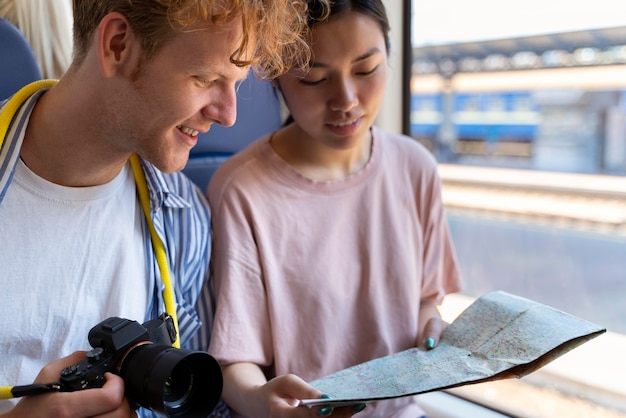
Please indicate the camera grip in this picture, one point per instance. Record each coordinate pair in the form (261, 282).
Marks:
(87, 373)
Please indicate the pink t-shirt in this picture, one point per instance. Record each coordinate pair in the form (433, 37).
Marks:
(316, 276)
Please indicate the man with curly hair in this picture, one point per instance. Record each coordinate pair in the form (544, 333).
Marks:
(147, 76)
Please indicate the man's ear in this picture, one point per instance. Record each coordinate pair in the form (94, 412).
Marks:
(114, 43)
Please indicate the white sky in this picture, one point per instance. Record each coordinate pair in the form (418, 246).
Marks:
(449, 21)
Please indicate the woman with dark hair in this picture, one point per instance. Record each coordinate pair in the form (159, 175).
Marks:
(331, 246)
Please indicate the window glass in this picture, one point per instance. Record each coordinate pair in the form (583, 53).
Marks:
(524, 106)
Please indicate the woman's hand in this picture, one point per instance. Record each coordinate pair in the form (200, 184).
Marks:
(431, 327)
(277, 398)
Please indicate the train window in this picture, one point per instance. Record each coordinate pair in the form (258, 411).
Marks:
(524, 106)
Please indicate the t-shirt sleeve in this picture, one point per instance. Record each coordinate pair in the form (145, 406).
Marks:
(441, 272)
(241, 329)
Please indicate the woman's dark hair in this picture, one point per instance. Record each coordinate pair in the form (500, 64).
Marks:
(373, 8)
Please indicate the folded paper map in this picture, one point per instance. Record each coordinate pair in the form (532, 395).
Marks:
(499, 336)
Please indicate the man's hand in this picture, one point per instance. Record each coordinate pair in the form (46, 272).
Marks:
(105, 402)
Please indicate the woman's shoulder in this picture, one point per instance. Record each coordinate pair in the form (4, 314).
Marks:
(243, 170)
(400, 147)
(242, 161)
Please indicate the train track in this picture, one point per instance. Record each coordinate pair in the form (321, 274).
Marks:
(582, 201)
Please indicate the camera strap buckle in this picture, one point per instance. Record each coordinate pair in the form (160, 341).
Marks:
(35, 389)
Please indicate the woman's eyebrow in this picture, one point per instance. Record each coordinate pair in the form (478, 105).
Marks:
(362, 57)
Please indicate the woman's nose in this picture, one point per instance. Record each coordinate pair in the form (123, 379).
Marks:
(344, 95)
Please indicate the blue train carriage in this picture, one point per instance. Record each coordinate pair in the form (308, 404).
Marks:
(495, 123)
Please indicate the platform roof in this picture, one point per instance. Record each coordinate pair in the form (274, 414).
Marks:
(566, 41)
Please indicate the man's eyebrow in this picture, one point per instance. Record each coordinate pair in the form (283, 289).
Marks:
(217, 72)
(362, 57)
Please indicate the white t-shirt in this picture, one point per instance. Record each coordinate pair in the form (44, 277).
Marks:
(65, 261)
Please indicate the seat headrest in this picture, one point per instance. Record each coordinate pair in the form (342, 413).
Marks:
(18, 65)
(258, 113)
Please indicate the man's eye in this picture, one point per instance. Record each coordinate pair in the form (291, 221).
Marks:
(205, 82)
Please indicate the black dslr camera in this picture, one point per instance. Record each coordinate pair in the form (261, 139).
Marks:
(170, 381)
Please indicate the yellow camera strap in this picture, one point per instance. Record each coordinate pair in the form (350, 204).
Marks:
(8, 392)
(7, 115)
(157, 244)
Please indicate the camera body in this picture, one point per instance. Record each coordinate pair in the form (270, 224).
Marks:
(171, 381)
(111, 340)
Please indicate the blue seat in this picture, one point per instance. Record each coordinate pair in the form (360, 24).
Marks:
(18, 65)
(258, 113)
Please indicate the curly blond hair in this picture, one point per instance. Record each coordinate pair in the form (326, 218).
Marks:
(278, 27)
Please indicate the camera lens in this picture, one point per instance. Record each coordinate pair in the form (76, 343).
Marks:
(178, 387)
(174, 382)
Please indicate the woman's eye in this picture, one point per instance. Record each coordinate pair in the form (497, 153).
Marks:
(368, 72)
(311, 82)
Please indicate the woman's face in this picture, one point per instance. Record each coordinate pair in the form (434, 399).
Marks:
(337, 100)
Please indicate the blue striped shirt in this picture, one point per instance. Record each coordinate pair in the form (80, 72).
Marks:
(181, 217)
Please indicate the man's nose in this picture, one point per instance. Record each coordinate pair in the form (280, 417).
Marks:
(222, 108)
